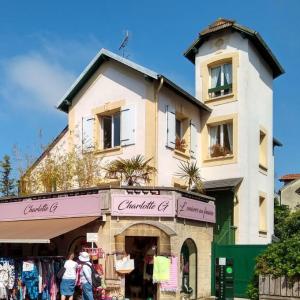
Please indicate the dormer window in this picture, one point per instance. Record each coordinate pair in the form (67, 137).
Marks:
(220, 80)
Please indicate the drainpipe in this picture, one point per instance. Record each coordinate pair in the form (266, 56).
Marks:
(161, 82)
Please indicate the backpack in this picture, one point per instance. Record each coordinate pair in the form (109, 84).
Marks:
(96, 278)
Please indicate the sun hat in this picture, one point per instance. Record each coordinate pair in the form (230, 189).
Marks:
(84, 256)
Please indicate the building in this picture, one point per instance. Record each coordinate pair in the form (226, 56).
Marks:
(289, 194)
(117, 108)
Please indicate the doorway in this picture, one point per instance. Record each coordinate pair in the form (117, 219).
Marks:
(139, 284)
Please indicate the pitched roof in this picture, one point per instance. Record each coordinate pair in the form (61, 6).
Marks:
(222, 25)
(289, 177)
(105, 55)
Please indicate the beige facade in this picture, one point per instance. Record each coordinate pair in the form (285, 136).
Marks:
(290, 194)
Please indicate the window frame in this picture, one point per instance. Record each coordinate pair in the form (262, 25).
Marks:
(222, 87)
(222, 139)
(207, 160)
(262, 214)
(207, 65)
(112, 138)
(263, 149)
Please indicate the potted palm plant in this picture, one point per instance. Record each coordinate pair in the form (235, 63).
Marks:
(190, 173)
(131, 171)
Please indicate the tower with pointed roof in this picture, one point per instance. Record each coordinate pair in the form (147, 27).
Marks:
(234, 73)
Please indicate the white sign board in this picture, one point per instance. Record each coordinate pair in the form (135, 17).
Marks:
(92, 237)
(222, 261)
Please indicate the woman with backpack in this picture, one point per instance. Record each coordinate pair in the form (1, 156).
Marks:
(86, 276)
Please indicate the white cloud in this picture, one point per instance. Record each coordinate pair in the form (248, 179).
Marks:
(40, 81)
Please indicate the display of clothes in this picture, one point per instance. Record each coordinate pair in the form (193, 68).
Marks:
(161, 269)
(29, 278)
(172, 284)
(7, 277)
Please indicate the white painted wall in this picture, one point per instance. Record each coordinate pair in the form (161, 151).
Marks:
(113, 82)
(254, 108)
(168, 162)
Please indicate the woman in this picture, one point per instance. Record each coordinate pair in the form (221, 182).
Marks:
(86, 276)
(67, 285)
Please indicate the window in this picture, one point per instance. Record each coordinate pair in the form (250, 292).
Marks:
(111, 131)
(220, 80)
(221, 140)
(263, 162)
(180, 131)
(262, 214)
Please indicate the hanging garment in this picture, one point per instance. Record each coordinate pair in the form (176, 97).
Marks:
(30, 278)
(172, 284)
(40, 277)
(7, 277)
(161, 269)
(112, 279)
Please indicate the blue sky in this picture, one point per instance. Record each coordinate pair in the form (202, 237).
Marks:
(46, 44)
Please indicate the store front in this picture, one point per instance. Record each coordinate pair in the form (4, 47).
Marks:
(149, 244)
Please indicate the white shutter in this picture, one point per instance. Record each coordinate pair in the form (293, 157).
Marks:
(171, 126)
(87, 133)
(194, 140)
(128, 124)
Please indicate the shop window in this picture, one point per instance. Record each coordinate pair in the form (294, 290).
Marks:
(262, 213)
(111, 131)
(220, 80)
(188, 267)
(221, 140)
(263, 163)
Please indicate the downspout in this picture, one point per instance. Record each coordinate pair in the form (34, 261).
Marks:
(161, 82)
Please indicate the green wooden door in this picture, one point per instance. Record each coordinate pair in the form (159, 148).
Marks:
(224, 231)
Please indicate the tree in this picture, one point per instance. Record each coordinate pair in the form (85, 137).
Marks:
(281, 258)
(7, 184)
(190, 173)
(132, 171)
(281, 212)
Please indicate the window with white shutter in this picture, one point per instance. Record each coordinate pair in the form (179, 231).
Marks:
(87, 133)
(128, 125)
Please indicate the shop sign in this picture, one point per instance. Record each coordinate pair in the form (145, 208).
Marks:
(92, 237)
(143, 205)
(196, 210)
(52, 208)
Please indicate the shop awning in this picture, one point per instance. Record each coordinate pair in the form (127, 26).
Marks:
(39, 231)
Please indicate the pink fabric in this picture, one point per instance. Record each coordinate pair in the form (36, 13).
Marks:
(171, 285)
(53, 288)
(78, 275)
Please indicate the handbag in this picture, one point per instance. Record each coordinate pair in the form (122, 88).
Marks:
(124, 265)
(61, 273)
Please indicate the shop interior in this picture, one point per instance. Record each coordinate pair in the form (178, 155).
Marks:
(138, 284)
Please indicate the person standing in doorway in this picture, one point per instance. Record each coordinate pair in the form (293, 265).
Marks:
(86, 276)
(67, 285)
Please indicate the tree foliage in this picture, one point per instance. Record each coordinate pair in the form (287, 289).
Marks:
(61, 171)
(283, 258)
(132, 171)
(7, 184)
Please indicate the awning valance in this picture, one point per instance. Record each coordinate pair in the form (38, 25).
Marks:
(39, 231)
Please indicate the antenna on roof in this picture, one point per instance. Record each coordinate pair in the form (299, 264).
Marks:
(124, 44)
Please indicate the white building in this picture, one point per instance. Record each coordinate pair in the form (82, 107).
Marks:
(117, 108)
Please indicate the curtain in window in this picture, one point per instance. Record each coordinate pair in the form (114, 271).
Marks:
(213, 132)
(215, 77)
(227, 73)
(229, 131)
